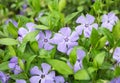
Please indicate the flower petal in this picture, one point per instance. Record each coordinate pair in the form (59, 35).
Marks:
(59, 79)
(80, 54)
(35, 79)
(74, 36)
(41, 35)
(90, 18)
(77, 66)
(40, 42)
(46, 68)
(30, 26)
(35, 71)
(72, 44)
(81, 20)
(48, 46)
(62, 47)
(87, 33)
(65, 31)
(57, 38)
(22, 32)
(17, 70)
(51, 75)
(79, 29)
(20, 81)
(48, 33)
(95, 25)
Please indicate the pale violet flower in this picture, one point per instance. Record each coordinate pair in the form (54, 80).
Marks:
(116, 54)
(14, 66)
(44, 40)
(86, 25)
(115, 80)
(109, 20)
(12, 21)
(3, 77)
(65, 39)
(22, 32)
(20, 81)
(78, 64)
(41, 76)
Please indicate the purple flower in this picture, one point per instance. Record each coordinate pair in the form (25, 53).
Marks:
(41, 76)
(86, 25)
(12, 21)
(3, 78)
(116, 54)
(78, 64)
(59, 79)
(116, 80)
(23, 32)
(44, 40)
(109, 20)
(20, 81)
(13, 65)
(65, 39)
(80, 56)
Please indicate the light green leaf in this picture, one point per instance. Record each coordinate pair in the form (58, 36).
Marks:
(99, 59)
(60, 66)
(8, 41)
(82, 75)
(70, 17)
(42, 27)
(4, 66)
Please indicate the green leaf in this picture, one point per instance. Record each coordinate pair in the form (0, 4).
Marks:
(117, 71)
(82, 75)
(73, 55)
(62, 4)
(44, 20)
(99, 59)
(34, 46)
(101, 42)
(31, 36)
(70, 17)
(94, 37)
(109, 35)
(29, 60)
(60, 66)
(19, 76)
(42, 27)
(4, 66)
(22, 20)
(8, 41)
(116, 31)
(12, 30)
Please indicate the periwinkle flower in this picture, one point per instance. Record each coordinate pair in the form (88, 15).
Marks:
(12, 21)
(20, 81)
(86, 25)
(80, 55)
(78, 64)
(116, 80)
(44, 40)
(116, 54)
(22, 32)
(3, 77)
(59, 79)
(109, 20)
(41, 76)
(13, 65)
(65, 39)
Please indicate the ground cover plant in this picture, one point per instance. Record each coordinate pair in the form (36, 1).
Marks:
(59, 41)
